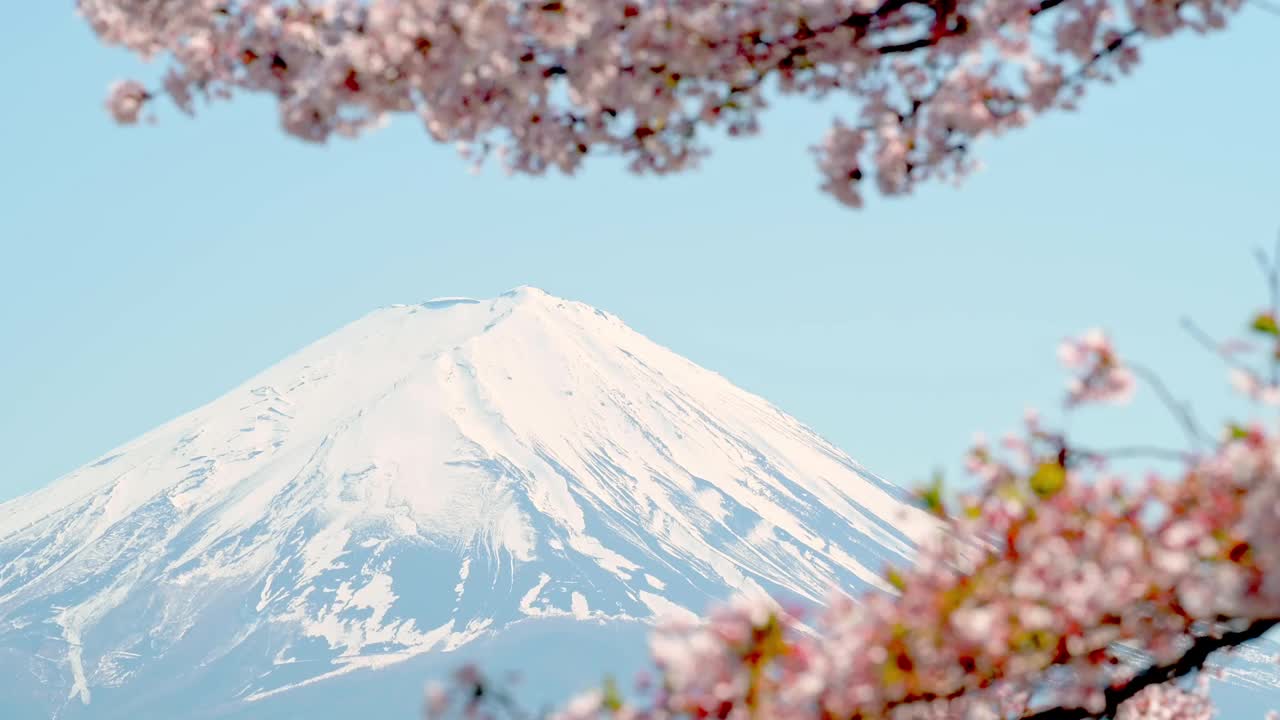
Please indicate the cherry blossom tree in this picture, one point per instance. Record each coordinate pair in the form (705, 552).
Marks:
(1062, 589)
(545, 84)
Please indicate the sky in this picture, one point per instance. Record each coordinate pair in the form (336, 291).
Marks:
(145, 271)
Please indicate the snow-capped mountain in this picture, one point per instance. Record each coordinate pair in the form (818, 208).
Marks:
(419, 480)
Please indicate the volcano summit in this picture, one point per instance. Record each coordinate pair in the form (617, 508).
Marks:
(424, 477)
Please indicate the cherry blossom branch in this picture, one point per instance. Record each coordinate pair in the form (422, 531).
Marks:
(1191, 661)
(1270, 267)
(1208, 343)
(1181, 411)
(546, 84)
(1132, 452)
(1265, 324)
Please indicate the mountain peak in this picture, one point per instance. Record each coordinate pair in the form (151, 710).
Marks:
(529, 292)
(519, 292)
(422, 477)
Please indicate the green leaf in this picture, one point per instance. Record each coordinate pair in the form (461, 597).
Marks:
(1265, 323)
(773, 642)
(895, 579)
(1237, 432)
(612, 698)
(1048, 479)
(1034, 640)
(931, 495)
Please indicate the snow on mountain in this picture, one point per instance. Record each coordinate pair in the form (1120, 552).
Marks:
(424, 477)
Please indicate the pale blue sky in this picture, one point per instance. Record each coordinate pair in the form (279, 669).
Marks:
(146, 271)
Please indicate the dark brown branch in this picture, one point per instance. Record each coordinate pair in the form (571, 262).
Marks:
(912, 45)
(1045, 6)
(1192, 660)
(945, 25)
(862, 21)
(936, 22)
(1120, 41)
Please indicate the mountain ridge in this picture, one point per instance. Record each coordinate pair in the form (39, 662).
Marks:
(421, 478)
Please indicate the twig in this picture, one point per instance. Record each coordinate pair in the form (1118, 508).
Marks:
(1135, 451)
(1271, 270)
(1192, 660)
(1266, 6)
(1180, 411)
(1211, 345)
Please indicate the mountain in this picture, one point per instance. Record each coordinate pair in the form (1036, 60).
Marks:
(429, 478)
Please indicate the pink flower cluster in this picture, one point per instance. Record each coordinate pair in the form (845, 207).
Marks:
(1102, 377)
(126, 100)
(1170, 702)
(548, 83)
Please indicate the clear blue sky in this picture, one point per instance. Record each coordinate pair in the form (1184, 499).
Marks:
(146, 271)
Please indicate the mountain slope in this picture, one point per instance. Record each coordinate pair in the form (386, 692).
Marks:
(423, 477)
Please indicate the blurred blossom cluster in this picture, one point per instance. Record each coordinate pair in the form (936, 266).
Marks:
(544, 84)
(1103, 377)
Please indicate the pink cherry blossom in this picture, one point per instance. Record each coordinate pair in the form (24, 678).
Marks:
(1101, 377)
(1252, 386)
(125, 101)
(1169, 702)
(544, 85)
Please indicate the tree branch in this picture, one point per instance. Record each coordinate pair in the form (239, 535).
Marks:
(1270, 267)
(1180, 411)
(1132, 452)
(1192, 660)
(1208, 343)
